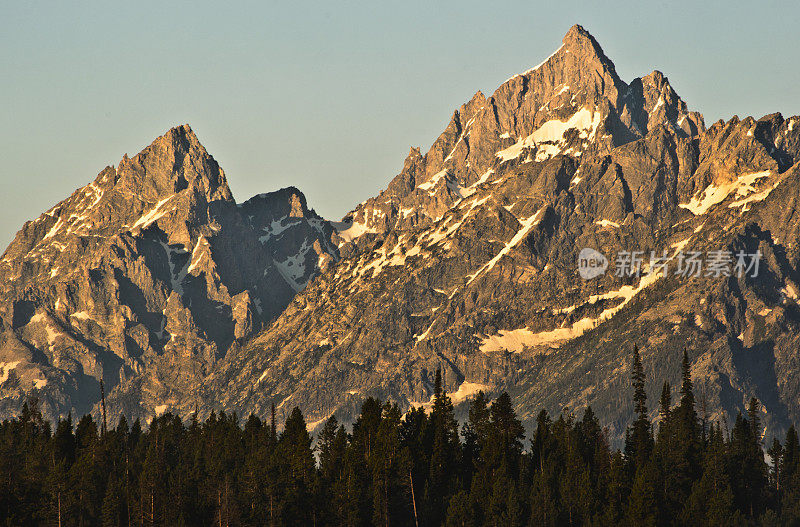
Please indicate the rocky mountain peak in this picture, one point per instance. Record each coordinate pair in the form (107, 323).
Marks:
(173, 162)
(572, 104)
(584, 48)
(146, 277)
(468, 262)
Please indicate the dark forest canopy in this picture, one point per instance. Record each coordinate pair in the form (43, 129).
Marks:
(393, 469)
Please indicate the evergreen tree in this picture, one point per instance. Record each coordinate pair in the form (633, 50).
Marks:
(640, 441)
(679, 455)
(644, 504)
(387, 471)
(711, 501)
(113, 509)
(475, 433)
(297, 471)
(394, 469)
(747, 467)
(445, 455)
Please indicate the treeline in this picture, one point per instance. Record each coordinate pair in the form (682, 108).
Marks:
(417, 469)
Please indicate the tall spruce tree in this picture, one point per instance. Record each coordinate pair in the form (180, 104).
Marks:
(443, 478)
(640, 443)
(679, 457)
(297, 472)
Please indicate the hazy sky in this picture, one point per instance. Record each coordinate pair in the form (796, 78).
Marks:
(329, 97)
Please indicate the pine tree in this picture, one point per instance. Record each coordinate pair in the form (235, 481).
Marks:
(645, 497)
(502, 458)
(297, 463)
(360, 462)
(113, 510)
(679, 455)
(85, 474)
(712, 501)
(445, 455)
(387, 470)
(543, 495)
(475, 433)
(640, 444)
(790, 477)
(746, 465)
(62, 457)
(332, 448)
(460, 512)
(415, 441)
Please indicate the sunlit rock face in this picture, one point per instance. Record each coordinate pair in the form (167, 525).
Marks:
(145, 278)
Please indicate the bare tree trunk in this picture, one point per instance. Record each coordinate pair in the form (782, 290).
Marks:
(219, 502)
(59, 508)
(413, 500)
(227, 501)
(127, 488)
(386, 493)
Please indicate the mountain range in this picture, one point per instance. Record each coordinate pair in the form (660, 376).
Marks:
(153, 280)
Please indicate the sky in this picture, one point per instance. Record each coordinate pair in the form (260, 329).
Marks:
(329, 96)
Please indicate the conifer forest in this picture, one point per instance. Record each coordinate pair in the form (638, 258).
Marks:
(421, 468)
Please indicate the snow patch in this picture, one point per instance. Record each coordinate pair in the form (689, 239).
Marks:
(54, 230)
(201, 248)
(277, 227)
(789, 291)
(516, 340)
(715, 194)
(551, 133)
(427, 332)
(176, 275)
(658, 105)
(466, 391)
(349, 231)
(607, 223)
(5, 369)
(153, 215)
(293, 268)
(470, 190)
(527, 225)
(678, 246)
(428, 185)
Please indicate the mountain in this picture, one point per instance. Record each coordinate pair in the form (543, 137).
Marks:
(154, 280)
(145, 279)
(468, 262)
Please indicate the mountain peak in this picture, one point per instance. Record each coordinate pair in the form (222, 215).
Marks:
(577, 32)
(584, 46)
(172, 162)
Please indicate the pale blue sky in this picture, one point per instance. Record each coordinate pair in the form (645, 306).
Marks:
(329, 96)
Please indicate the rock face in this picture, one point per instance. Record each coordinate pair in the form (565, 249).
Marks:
(145, 278)
(468, 261)
(572, 104)
(154, 280)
